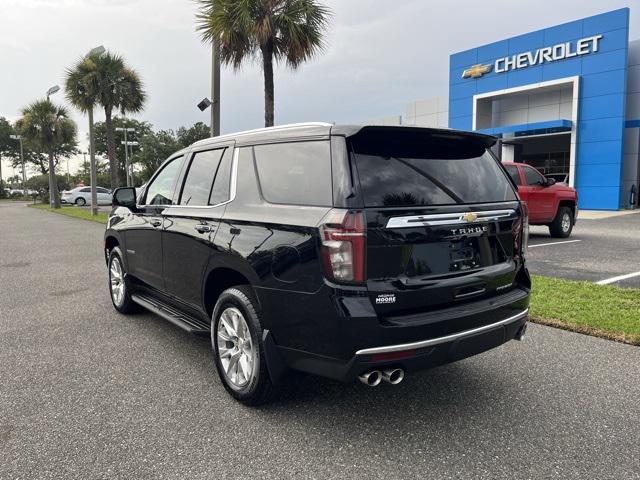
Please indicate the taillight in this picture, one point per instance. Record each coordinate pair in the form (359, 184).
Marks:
(343, 245)
(520, 232)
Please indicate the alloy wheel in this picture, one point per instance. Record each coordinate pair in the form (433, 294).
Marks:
(116, 277)
(566, 222)
(235, 347)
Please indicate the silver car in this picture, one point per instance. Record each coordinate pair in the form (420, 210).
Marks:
(82, 196)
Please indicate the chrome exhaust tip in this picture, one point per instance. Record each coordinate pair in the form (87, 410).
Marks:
(372, 378)
(393, 375)
(521, 332)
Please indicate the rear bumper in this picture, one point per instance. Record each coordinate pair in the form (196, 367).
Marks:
(411, 356)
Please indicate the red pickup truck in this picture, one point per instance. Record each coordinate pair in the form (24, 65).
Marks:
(550, 203)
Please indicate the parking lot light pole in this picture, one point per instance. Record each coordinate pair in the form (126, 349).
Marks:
(215, 88)
(92, 151)
(52, 171)
(24, 174)
(126, 151)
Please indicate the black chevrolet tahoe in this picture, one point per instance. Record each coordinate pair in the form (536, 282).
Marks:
(342, 251)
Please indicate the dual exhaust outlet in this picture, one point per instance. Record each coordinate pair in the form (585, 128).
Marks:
(373, 378)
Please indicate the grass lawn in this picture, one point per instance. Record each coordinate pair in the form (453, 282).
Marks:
(600, 310)
(76, 212)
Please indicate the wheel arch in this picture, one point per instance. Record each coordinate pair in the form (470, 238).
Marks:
(567, 202)
(111, 240)
(218, 280)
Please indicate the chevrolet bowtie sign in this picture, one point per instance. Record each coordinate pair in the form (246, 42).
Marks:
(557, 52)
(476, 71)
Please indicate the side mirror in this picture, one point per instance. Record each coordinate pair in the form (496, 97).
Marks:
(550, 181)
(124, 197)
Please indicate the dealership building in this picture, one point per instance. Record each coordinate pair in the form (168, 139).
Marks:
(565, 99)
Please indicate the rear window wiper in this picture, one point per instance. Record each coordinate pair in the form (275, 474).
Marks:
(431, 178)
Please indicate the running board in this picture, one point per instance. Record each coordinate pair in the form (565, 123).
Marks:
(173, 315)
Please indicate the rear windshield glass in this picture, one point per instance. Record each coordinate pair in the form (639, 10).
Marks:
(419, 168)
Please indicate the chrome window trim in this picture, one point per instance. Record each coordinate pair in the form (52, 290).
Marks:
(447, 218)
(439, 340)
(232, 190)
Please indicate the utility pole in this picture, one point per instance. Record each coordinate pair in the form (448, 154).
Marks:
(215, 88)
(92, 160)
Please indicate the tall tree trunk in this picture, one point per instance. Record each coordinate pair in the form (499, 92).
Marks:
(54, 195)
(267, 68)
(111, 149)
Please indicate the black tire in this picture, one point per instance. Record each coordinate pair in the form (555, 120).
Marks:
(80, 202)
(125, 305)
(258, 388)
(562, 225)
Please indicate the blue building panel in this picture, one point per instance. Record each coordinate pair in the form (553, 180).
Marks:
(601, 107)
(600, 130)
(461, 123)
(605, 62)
(604, 83)
(605, 22)
(601, 175)
(490, 52)
(563, 33)
(598, 152)
(525, 76)
(525, 42)
(562, 69)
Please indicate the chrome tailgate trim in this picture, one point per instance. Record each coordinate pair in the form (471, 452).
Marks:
(448, 218)
(445, 339)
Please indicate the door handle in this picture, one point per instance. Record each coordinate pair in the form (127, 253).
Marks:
(203, 228)
(156, 222)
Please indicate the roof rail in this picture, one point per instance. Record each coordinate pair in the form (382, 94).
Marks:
(256, 130)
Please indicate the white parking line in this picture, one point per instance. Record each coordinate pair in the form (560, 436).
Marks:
(618, 278)
(553, 243)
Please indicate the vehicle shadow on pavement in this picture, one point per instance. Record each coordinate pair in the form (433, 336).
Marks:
(458, 390)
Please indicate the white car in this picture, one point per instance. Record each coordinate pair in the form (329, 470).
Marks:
(82, 196)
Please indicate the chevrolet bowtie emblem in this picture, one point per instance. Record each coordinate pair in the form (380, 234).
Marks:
(476, 71)
(470, 217)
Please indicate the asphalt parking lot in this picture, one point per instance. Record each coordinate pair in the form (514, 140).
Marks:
(88, 393)
(598, 250)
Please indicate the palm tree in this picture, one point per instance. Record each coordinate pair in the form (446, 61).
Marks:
(106, 80)
(281, 30)
(46, 127)
(81, 89)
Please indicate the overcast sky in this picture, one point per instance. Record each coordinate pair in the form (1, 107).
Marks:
(380, 56)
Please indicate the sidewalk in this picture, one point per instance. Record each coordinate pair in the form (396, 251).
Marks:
(598, 214)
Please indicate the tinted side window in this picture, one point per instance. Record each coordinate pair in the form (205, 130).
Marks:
(102, 190)
(160, 191)
(512, 170)
(533, 177)
(85, 190)
(221, 184)
(202, 170)
(295, 173)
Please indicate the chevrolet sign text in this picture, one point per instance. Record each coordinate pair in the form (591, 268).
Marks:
(548, 54)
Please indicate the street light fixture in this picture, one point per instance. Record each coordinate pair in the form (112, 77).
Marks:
(99, 50)
(52, 90)
(204, 104)
(24, 175)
